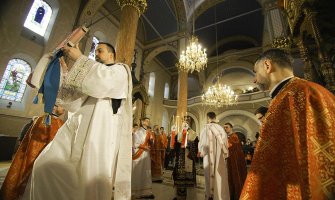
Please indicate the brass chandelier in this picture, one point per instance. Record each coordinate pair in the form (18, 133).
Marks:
(195, 57)
(219, 95)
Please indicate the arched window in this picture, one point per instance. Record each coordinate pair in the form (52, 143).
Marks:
(151, 90)
(94, 45)
(165, 122)
(13, 83)
(38, 17)
(166, 91)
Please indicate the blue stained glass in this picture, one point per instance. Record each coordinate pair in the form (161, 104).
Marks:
(38, 17)
(94, 45)
(13, 82)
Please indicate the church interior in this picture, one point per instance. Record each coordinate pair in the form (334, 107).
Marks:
(151, 35)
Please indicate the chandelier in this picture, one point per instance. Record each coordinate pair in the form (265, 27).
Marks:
(194, 58)
(219, 95)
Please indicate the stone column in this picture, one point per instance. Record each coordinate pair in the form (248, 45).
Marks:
(182, 95)
(126, 37)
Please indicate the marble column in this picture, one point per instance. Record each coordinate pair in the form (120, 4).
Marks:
(126, 37)
(182, 95)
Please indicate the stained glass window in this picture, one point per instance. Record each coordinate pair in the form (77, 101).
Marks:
(13, 83)
(38, 17)
(93, 47)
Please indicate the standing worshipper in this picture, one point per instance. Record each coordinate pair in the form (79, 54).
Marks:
(156, 155)
(184, 173)
(294, 157)
(213, 147)
(91, 153)
(36, 138)
(141, 181)
(237, 167)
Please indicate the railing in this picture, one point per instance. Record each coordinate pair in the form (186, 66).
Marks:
(242, 98)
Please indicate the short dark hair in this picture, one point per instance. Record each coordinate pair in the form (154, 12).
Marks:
(211, 115)
(110, 48)
(161, 127)
(144, 118)
(262, 110)
(231, 126)
(279, 56)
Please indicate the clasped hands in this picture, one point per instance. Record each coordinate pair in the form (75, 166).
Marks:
(72, 52)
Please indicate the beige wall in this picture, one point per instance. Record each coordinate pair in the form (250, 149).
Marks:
(156, 109)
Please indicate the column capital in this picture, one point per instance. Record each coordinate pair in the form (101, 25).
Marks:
(139, 5)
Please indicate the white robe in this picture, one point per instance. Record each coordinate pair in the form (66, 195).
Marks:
(213, 147)
(91, 152)
(141, 181)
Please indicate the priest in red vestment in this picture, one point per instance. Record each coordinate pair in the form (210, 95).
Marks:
(37, 137)
(236, 164)
(295, 154)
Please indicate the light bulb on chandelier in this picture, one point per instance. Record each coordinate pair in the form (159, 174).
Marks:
(194, 58)
(219, 95)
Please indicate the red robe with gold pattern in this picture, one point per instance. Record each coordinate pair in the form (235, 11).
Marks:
(236, 165)
(38, 136)
(295, 155)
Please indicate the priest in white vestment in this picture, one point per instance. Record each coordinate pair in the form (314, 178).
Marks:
(91, 153)
(213, 147)
(141, 181)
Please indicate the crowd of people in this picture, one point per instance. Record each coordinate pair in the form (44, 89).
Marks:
(96, 155)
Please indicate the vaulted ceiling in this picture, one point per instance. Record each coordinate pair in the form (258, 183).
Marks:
(219, 25)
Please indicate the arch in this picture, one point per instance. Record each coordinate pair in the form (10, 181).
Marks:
(139, 92)
(13, 82)
(229, 66)
(157, 51)
(140, 89)
(249, 133)
(196, 121)
(235, 38)
(238, 112)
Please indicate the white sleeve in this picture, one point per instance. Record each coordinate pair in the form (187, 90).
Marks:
(98, 80)
(203, 145)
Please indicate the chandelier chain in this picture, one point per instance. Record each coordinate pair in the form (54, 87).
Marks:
(218, 94)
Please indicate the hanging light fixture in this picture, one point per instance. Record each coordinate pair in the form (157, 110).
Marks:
(219, 95)
(195, 57)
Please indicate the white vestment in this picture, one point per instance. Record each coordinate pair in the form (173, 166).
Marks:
(141, 181)
(213, 147)
(91, 152)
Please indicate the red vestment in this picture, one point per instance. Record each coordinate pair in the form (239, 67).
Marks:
(237, 167)
(295, 154)
(156, 156)
(38, 136)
